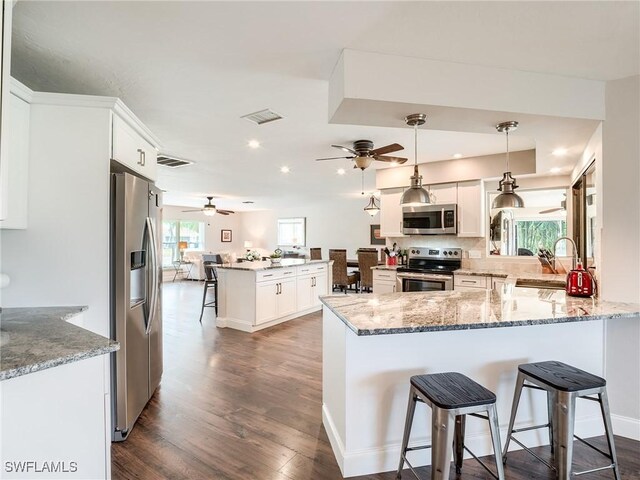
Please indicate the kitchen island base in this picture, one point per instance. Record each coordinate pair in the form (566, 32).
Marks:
(366, 384)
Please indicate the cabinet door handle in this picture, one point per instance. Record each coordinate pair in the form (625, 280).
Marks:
(313, 281)
(140, 157)
(144, 158)
(468, 281)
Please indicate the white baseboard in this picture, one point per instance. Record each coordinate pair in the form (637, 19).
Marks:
(386, 458)
(238, 324)
(626, 427)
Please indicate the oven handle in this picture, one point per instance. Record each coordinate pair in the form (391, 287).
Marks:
(424, 276)
(442, 219)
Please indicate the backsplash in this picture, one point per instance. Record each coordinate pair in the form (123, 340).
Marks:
(509, 264)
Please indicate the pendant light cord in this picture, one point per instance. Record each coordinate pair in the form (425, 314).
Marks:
(415, 143)
(507, 130)
(362, 182)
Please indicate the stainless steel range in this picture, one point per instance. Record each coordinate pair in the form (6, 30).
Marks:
(429, 269)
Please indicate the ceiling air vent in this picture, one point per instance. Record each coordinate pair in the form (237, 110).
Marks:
(172, 162)
(263, 116)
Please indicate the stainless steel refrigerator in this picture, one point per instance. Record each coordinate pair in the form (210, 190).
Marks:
(136, 297)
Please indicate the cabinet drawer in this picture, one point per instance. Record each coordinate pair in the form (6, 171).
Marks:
(384, 275)
(470, 281)
(275, 274)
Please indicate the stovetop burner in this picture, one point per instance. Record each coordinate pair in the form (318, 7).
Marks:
(433, 260)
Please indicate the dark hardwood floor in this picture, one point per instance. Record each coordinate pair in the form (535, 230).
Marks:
(234, 405)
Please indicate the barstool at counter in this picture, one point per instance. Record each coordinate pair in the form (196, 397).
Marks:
(563, 384)
(451, 397)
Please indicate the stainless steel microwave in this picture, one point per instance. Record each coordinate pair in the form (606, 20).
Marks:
(430, 220)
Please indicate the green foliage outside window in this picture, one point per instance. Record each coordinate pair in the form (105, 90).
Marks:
(535, 234)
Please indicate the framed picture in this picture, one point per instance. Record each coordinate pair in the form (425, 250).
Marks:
(225, 235)
(376, 238)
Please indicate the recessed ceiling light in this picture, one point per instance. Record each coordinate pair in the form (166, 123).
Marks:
(555, 170)
(341, 171)
(457, 155)
(254, 144)
(285, 169)
(559, 152)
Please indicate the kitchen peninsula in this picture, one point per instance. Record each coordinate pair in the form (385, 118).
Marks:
(256, 295)
(54, 386)
(373, 344)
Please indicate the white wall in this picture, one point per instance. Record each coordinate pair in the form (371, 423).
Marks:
(212, 229)
(620, 235)
(334, 223)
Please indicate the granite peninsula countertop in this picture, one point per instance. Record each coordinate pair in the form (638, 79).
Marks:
(37, 338)
(389, 313)
(266, 265)
(386, 267)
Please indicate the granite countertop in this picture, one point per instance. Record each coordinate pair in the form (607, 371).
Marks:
(386, 267)
(377, 314)
(266, 265)
(37, 338)
(549, 278)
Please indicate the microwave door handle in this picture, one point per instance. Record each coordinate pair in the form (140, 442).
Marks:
(442, 219)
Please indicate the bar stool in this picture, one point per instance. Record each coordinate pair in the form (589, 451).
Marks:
(451, 397)
(563, 384)
(210, 282)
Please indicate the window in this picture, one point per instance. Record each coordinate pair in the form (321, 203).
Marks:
(522, 231)
(175, 231)
(292, 232)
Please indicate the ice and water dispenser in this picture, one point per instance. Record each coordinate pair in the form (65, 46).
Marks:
(138, 278)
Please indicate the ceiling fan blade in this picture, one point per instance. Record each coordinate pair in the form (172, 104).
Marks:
(225, 212)
(394, 147)
(333, 158)
(198, 210)
(551, 210)
(386, 158)
(346, 149)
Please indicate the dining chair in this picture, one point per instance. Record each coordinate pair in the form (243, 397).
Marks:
(341, 278)
(315, 253)
(210, 282)
(366, 260)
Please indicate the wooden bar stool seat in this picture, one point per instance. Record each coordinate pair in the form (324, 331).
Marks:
(563, 384)
(451, 396)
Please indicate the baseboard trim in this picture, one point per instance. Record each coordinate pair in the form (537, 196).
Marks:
(626, 427)
(386, 458)
(238, 324)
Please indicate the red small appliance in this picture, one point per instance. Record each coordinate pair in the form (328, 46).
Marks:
(580, 283)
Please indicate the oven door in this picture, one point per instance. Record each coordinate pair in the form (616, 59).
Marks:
(423, 282)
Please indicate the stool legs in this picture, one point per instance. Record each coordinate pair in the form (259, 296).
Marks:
(442, 429)
(411, 408)
(494, 427)
(204, 300)
(564, 414)
(606, 417)
(458, 442)
(514, 408)
(550, 420)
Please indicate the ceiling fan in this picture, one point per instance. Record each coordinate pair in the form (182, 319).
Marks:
(363, 154)
(210, 210)
(561, 208)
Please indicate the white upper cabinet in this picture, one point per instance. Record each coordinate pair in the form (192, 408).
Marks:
(133, 151)
(391, 212)
(5, 66)
(471, 208)
(444, 193)
(15, 172)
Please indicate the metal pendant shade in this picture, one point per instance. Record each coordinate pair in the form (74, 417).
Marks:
(372, 208)
(416, 195)
(508, 198)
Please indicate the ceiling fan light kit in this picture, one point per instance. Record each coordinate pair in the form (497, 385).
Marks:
(508, 198)
(363, 154)
(416, 195)
(210, 209)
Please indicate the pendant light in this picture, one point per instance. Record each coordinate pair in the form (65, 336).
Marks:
(372, 207)
(415, 196)
(508, 198)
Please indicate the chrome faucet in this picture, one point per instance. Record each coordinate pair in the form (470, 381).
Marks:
(575, 250)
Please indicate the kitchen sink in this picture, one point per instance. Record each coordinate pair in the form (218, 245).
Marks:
(540, 284)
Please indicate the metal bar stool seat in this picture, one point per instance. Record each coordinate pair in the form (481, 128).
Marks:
(451, 397)
(563, 384)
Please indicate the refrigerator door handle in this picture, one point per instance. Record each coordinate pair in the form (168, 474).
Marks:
(154, 274)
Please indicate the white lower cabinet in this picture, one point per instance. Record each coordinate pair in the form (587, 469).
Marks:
(384, 281)
(311, 285)
(468, 283)
(275, 298)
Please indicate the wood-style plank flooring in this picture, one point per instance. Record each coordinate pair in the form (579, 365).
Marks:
(236, 406)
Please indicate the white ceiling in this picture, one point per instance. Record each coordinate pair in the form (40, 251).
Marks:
(190, 70)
